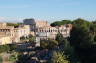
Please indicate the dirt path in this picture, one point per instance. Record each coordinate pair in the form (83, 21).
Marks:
(5, 57)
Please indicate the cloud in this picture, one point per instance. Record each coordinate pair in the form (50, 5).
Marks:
(8, 19)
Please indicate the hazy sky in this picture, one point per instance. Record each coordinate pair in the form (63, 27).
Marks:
(51, 10)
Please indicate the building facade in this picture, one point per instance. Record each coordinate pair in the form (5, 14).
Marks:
(40, 29)
(23, 30)
(6, 30)
(13, 33)
(30, 22)
(35, 23)
(5, 40)
(51, 32)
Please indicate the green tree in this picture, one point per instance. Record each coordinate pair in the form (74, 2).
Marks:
(52, 43)
(44, 43)
(1, 59)
(23, 58)
(31, 38)
(82, 39)
(59, 57)
(14, 24)
(62, 22)
(12, 47)
(13, 58)
(59, 38)
(93, 29)
(4, 48)
(81, 22)
(80, 35)
(22, 38)
(49, 44)
(64, 44)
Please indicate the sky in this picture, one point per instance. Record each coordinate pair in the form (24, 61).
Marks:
(50, 10)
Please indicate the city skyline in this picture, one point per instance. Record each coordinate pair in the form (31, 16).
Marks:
(50, 10)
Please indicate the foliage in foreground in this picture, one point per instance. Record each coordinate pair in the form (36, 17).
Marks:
(58, 57)
(82, 39)
(4, 48)
(1, 59)
(7, 48)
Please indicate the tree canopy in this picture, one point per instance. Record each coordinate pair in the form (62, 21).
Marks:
(82, 38)
(14, 24)
(62, 22)
(49, 44)
(59, 37)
